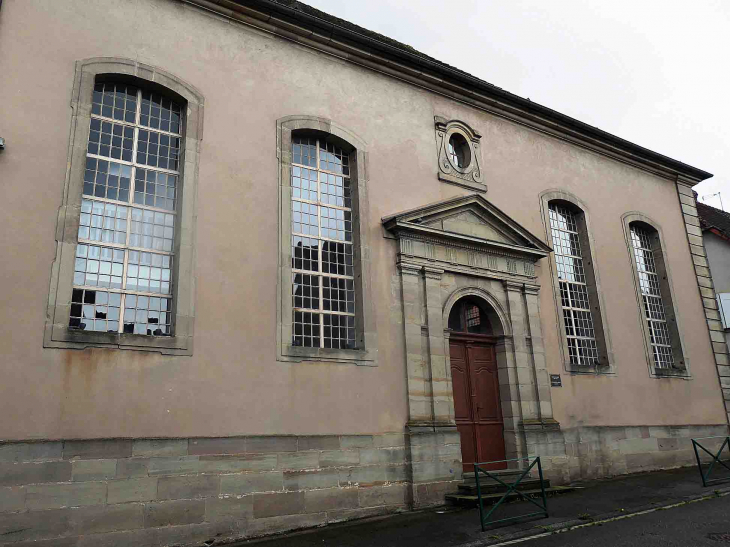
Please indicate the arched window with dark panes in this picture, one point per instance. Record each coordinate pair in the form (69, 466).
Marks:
(323, 269)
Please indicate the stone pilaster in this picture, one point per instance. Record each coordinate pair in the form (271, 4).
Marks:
(442, 395)
(420, 407)
(542, 378)
(523, 369)
(704, 283)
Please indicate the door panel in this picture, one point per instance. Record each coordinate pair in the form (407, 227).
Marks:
(460, 381)
(476, 402)
(483, 372)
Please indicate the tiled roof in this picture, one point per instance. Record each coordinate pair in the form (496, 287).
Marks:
(714, 219)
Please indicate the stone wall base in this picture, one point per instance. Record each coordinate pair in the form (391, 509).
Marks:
(582, 453)
(153, 492)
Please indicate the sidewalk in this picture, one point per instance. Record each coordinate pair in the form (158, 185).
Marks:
(452, 527)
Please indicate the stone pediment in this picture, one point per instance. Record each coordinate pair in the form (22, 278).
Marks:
(468, 220)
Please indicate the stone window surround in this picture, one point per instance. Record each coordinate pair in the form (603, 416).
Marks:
(365, 334)
(56, 332)
(681, 367)
(471, 176)
(600, 322)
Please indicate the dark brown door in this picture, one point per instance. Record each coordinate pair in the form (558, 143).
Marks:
(476, 402)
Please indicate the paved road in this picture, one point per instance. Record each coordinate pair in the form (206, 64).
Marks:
(689, 525)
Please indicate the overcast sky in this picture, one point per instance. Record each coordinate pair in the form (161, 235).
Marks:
(655, 72)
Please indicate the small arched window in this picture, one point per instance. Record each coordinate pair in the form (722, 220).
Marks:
(126, 238)
(468, 316)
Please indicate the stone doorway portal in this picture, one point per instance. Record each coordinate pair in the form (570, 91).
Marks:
(475, 381)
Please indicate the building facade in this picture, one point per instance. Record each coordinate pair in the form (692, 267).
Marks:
(715, 224)
(281, 271)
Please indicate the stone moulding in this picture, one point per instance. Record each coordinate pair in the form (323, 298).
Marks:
(470, 176)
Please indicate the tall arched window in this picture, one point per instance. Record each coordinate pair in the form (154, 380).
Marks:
(654, 290)
(323, 269)
(124, 258)
(123, 274)
(577, 315)
(585, 341)
(325, 311)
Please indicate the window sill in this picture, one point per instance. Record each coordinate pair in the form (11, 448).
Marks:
(589, 369)
(342, 356)
(671, 373)
(63, 337)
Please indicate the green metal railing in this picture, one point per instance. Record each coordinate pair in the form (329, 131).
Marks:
(706, 481)
(487, 519)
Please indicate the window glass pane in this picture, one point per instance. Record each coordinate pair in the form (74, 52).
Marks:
(304, 253)
(118, 101)
(147, 315)
(305, 331)
(149, 272)
(94, 310)
(98, 266)
(305, 291)
(107, 179)
(155, 189)
(339, 331)
(152, 230)
(158, 150)
(112, 140)
(104, 222)
(159, 112)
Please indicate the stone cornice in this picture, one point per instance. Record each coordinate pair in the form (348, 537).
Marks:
(366, 51)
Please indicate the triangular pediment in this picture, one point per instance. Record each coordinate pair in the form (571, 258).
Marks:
(471, 219)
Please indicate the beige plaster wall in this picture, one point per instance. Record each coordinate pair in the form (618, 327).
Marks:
(233, 384)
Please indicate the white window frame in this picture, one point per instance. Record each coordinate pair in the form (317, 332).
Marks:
(320, 274)
(131, 204)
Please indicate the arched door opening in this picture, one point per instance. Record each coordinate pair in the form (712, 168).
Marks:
(475, 381)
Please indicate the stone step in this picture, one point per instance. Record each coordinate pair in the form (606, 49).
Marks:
(469, 476)
(490, 499)
(493, 487)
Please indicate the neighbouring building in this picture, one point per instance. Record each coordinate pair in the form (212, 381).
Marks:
(265, 269)
(715, 224)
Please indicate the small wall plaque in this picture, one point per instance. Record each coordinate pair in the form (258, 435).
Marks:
(555, 380)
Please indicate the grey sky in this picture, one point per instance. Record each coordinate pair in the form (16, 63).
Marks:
(655, 72)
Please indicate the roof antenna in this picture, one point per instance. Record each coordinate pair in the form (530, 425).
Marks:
(718, 194)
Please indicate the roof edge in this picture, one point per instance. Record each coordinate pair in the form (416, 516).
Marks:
(429, 71)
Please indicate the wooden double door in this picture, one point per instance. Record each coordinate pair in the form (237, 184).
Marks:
(476, 400)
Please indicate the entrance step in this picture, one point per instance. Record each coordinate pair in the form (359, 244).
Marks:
(490, 486)
(503, 474)
(466, 500)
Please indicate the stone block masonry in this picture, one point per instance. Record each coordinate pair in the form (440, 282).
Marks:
(154, 492)
(595, 452)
